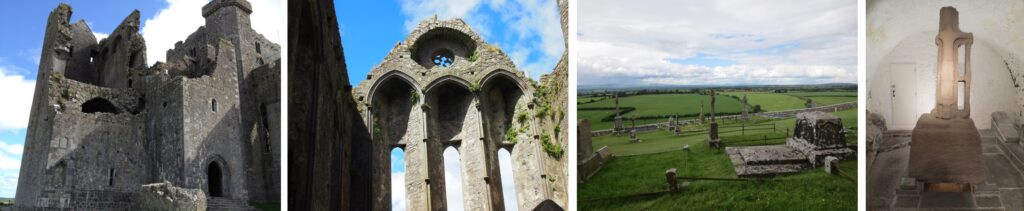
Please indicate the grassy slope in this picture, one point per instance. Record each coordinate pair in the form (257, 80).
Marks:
(627, 175)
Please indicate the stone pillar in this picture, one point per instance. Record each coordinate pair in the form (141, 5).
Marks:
(713, 139)
(949, 77)
(702, 112)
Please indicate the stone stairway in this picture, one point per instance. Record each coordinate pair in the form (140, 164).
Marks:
(221, 203)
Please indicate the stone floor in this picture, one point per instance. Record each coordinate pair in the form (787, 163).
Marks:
(1003, 188)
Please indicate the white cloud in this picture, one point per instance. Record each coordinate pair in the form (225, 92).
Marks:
(18, 92)
(533, 26)
(100, 36)
(182, 17)
(8, 183)
(13, 149)
(776, 42)
(453, 179)
(398, 191)
(507, 180)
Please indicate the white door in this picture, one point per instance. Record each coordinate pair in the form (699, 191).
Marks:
(904, 95)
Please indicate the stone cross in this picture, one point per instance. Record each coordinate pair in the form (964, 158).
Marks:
(745, 107)
(950, 77)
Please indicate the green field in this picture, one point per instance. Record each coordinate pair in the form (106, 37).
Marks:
(818, 94)
(770, 101)
(662, 140)
(824, 101)
(655, 104)
(639, 168)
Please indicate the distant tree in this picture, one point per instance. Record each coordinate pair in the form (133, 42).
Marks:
(757, 108)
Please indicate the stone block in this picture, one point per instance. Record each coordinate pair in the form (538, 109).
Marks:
(165, 196)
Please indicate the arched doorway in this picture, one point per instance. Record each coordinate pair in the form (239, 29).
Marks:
(214, 180)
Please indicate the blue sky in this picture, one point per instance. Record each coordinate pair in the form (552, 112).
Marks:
(734, 42)
(163, 23)
(529, 31)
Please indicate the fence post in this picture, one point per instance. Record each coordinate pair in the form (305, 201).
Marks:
(765, 139)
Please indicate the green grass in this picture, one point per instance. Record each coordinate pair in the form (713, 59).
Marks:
(770, 101)
(655, 104)
(824, 101)
(615, 186)
(624, 176)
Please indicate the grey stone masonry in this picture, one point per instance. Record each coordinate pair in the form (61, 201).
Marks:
(819, 135)
(444, 87)
(103, 124)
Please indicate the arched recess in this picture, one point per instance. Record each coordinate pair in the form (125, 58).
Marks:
(99, 105)
(218, 176)
(393, 99)
(449, 100)
(449, 103)
(902, 101)
(455, 44)
(503, 100)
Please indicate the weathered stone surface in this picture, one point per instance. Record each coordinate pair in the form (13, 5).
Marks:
(102, 123)
(831, 165)
(946, 151)
(875, 134)
(797, 154)
(820, 129)
(950, 79)
(165, 196)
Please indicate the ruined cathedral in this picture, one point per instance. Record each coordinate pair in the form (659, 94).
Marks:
(103, 124)
(441, 88)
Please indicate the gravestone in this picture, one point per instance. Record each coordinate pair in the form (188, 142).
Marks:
(702, 112)
(818, 134)
(670, 177)
(713, 140)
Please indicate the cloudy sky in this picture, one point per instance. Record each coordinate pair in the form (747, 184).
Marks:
(164, 22)
(654, 42)
(528, 31)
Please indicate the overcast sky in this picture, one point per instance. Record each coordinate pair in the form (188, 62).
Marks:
(652, 42)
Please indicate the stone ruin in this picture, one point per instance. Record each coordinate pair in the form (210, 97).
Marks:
(713, 140)
(945, 148)
(588, 162)
(441, 87)
(103, 124)
(445, 87)
(817, 135)
(632, 131)
(746, 107)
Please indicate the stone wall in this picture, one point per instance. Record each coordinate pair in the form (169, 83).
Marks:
(324, 173)
(111, 124)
